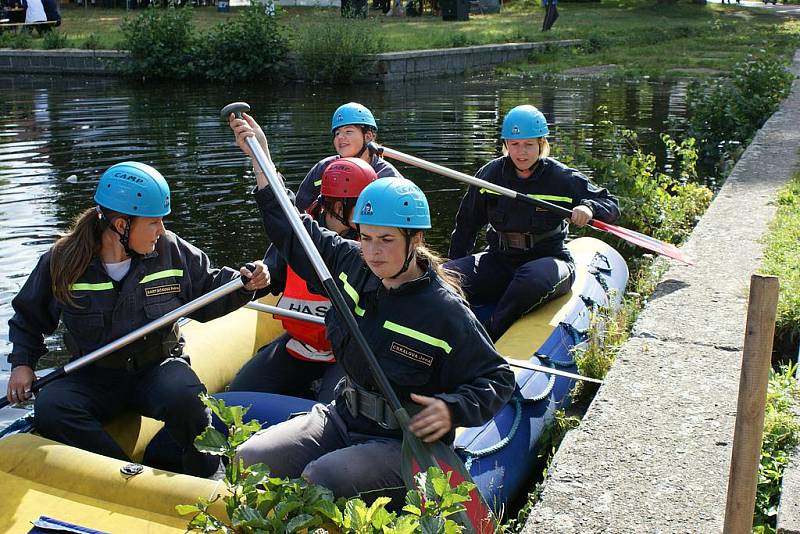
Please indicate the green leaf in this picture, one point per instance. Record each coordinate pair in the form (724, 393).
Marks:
(212, 441)
(412, 509)
(328, 510)
(184, 509)
(244, 516)
(431, 525)
(302, 521)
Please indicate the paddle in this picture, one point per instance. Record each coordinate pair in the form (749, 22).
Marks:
(417, 455)
(165, 320)
(265, 308)
(631, 236)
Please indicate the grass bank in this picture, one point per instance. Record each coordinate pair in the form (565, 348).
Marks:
(640, 39)
(649, 39)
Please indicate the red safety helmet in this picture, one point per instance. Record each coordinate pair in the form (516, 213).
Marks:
(346, 178)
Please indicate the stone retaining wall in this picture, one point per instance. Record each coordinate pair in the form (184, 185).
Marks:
(653, 452)
(392, 66)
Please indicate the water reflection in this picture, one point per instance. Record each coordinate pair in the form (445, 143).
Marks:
(58, 134)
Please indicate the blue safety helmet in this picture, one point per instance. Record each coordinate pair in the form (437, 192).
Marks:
(133, 189)
(352, 113)
(395, 202)
(524, 122)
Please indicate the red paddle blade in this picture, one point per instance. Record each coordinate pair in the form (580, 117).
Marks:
(478, 515)
(644, 241)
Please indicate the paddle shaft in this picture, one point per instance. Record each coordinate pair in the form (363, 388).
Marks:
(129, 338)
(466, 178)
(631, 236)
(512, 362)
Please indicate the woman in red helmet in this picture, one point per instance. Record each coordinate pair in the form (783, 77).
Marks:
(294, 361)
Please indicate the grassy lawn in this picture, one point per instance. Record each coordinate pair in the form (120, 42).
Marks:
(643, 38)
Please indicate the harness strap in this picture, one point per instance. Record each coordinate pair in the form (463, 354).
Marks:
(525, 240)
(359, 401)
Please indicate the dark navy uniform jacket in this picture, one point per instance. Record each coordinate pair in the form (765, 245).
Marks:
(309, 188)
(551, 181)
(424, 336)
(175, 273)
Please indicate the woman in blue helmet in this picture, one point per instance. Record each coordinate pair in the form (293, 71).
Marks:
(430, 345)
(300, 362)
(118, 269)
(526, 262)
(353, 127)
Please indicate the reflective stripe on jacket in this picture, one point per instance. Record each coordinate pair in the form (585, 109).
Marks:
(175, 273)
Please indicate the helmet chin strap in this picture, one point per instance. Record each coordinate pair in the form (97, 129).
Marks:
(409, 256)
(124, 236)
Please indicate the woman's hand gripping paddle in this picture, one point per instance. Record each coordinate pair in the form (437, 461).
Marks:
(417, 455)
(142, 331)
(641, 240)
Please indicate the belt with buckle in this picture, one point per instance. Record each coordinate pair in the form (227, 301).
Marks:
(371, 405)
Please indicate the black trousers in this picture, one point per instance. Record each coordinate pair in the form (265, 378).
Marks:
(274, 370)
(73, 409)
(515, 287)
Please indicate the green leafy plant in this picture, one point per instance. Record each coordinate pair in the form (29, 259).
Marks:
(781, 257)
(54, 39)
(248, 46)
(160, 43)
(259, 502)
(666, 206)
(92, 42)
(335, 52)
(21, 40)
(725, 114)
(781, 433)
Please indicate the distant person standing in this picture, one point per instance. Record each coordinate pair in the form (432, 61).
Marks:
(550, 14)
(34, 11)
(51, 11)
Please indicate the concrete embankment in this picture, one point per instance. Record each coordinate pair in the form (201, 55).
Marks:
(653, 451)
(386, 67)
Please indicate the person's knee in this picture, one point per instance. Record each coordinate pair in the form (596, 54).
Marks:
(333, 477)
(51, 412)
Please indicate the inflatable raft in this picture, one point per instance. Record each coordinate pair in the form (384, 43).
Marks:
(44, 478)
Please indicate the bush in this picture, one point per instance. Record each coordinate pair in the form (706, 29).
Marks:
(160, 43)
(335, 52)
(21, 40)
(725, 114)
(92, 42)
(247, 46)
(54, 39)
(655, 203)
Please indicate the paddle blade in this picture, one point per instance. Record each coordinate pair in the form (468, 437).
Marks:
(644, 241)
(477, 518)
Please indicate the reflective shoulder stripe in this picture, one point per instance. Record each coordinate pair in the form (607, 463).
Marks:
(351, 291)
(318, 183)
(483, 191)
(161, 274)
(415, 334)
(84, 286)
(554, 198)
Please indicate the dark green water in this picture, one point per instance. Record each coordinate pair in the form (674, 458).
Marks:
(57, 135)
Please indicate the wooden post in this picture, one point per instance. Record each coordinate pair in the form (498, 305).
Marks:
(756, 359)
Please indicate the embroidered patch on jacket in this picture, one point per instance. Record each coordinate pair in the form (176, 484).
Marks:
(411, 354)
(162, 290)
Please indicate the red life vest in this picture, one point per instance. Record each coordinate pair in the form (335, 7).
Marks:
(308, 339)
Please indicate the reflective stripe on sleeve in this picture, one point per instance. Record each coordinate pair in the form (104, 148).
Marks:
(352, 293)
